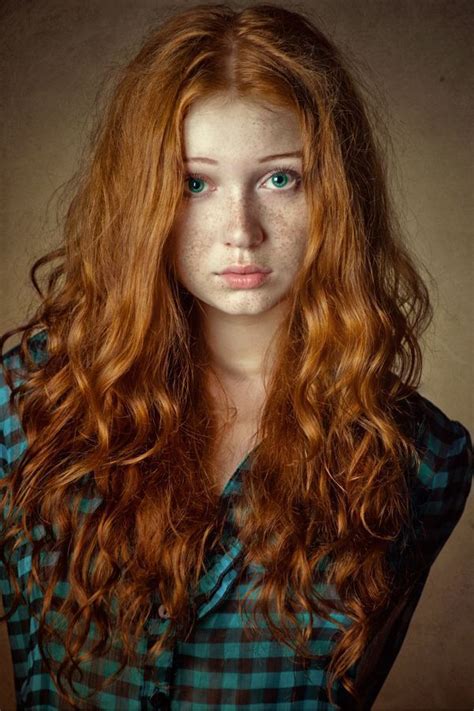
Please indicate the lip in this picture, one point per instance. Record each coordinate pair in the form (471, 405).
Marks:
(244, 281)
(248, 269)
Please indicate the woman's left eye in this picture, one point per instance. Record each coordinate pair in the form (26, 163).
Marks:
(276, 177)
(279, 178)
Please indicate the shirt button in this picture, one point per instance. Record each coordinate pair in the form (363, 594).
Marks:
(163, 612)
(159, 700)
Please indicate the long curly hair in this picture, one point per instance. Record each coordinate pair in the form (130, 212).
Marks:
(120, 409)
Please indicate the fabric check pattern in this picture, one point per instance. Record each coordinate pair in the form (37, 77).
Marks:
(219, 666)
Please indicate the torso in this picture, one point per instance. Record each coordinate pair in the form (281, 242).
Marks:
(233, 446)
(238, 437)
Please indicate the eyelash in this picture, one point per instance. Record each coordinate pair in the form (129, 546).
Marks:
(290, 171)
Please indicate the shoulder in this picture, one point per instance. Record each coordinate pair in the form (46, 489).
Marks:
(37, 348)
(12, 440)
(442, 478)
(444, 445)
(14, 361)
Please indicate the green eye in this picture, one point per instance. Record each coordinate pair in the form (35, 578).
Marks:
(193, 184)
(278, 177)
(282, 176)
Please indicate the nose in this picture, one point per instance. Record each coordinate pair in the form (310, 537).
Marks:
(243, 227)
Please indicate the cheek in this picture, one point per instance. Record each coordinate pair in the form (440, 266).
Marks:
(192, 253)
(194, 234)
(291, 251)
(290, 233)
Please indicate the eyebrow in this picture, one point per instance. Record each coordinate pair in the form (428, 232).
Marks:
(203, 159)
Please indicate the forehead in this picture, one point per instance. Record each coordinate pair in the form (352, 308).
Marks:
(229, 127)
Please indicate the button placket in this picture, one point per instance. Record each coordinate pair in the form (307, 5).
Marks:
(160, 700)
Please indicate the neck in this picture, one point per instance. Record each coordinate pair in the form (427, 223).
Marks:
(242, 347)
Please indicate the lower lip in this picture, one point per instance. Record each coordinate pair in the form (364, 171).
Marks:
(244, 281)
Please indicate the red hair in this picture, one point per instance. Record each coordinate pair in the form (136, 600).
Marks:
(120, 407)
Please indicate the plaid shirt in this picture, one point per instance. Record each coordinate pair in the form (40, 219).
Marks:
(218, 666)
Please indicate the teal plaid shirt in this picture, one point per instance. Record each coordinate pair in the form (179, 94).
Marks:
(219, 667)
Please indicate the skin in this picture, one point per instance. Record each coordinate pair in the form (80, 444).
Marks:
(235, 213)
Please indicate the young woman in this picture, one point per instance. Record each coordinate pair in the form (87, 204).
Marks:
(221, 488)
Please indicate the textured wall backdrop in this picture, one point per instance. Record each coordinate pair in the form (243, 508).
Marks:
(416, 58)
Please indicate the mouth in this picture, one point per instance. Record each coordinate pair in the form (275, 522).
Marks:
(249, 269)
(251, 280)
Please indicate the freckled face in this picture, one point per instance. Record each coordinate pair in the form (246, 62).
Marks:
(240, 209)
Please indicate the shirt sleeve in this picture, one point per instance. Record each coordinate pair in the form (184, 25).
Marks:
(439, 490)
(443, 481)
(12, 446)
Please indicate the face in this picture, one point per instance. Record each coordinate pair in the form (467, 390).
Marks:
(244, 204)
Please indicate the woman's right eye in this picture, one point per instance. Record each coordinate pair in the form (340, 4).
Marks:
(194, 184)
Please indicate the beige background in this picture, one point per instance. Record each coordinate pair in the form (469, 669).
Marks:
(416, 58)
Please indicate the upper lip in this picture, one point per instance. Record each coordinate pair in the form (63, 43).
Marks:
(247, 269)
